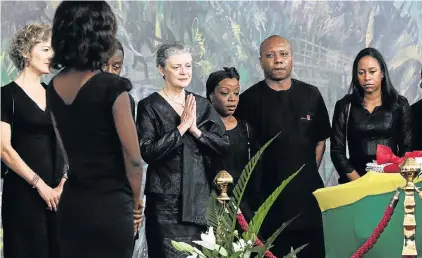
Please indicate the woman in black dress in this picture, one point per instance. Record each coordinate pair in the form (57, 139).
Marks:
(223, 91)
(179, 133)
(29, 151)
(373, 113)
(92, 110)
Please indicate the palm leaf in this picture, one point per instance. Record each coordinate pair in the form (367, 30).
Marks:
(296, 251)
(216, 219)
(256, 222)
(213, 212)
(239, 190)
(271, 239)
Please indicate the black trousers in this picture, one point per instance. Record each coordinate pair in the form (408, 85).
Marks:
(314, 238)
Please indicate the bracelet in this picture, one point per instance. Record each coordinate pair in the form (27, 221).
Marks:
(34, 180)
(65, 176)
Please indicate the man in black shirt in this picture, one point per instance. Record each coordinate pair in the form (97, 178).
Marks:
(417, 123)
(280, 103)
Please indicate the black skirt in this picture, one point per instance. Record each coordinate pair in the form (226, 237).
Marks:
(163, 224)
(95, 224)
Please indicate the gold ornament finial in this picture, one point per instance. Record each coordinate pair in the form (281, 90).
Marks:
(410, 169)
(223, 179)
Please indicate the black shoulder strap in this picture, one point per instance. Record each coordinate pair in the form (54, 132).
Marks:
(249, 140)
(59, 140)
(57, 133)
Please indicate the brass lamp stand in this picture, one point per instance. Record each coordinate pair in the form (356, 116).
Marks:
(410, 170)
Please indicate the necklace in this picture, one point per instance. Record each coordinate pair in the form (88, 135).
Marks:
(171, 99)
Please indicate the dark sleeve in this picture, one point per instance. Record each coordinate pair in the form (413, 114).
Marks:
(132, 105)
(405, 137)
(242, 108)
(213, 132)
(6, 106)
(416, 126)
(322, 127)
(154, 147)
(338, 140)
(117, 86)
(246, 108)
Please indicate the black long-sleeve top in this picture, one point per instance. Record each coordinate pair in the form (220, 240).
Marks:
(389, 124)
(180, 165)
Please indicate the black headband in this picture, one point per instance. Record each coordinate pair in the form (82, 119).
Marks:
(216, 77)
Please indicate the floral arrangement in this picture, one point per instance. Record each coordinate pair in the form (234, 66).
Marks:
(221, 219)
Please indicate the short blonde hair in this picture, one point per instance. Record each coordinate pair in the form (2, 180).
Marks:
(25, 39)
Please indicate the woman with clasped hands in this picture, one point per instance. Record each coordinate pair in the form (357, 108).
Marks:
(179, 133)
(33, 168)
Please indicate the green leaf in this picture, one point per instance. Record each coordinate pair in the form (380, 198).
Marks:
(216, 218)
(235, 255)
(207, 252)
(296, 251)
(183, 247)
(214, 212)
(260, 250)
(240, 187)
(222, 251)
(271, 239)
(256, 222)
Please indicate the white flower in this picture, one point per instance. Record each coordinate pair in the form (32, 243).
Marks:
(241, 246)
(194, 255)
(208, 241)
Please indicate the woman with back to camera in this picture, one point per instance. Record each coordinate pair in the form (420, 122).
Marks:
(92, 110)
(29, 151)
(180, 133)
(373, 113)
